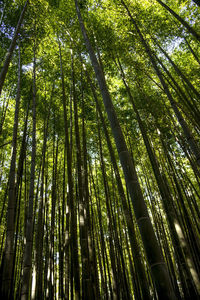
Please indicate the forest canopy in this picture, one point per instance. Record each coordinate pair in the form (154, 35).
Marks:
(99, 149)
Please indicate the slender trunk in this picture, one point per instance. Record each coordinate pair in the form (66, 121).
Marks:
(86, 280)
(105, 266)
(3, 116)
(132, 236)
(17, 247)
(32, 287)
(11, 48)
(18, 189)
(62, 267)
(190, 139)
(74, 252)
(9, 243)
(93, 266)
(102, 266)
(164, 191)
(53, 211)
(192, 51)
(190, 106)
(22, 152)
(66, 230)
(46, 241)
(154, 255)
(3, 210)
(115, 281)
(180, 19)
(178, 71)
(41, 215)
(27, 263)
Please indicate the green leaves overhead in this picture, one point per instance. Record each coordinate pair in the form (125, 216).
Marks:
(73, 203)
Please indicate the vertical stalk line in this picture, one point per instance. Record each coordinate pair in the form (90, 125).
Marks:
(7, 262)
(74, 245)
(27, 262)
(154, 255)
(11, 48)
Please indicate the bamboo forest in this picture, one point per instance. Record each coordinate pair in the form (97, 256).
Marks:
(99, 149)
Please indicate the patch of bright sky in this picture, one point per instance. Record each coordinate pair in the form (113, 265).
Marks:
(190, 20)
(7, 32)
(174, 45)
(178, 40)
(27, 67)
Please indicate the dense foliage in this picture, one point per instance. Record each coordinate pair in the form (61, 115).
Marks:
(99, 149)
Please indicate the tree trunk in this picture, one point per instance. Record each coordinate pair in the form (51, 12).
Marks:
(154, 256)
(166, 198)
(191, 50)
(132, 236)
(3, 115)
(27, 263)
(178, 71)
(86, 278)
(11, 48)
(9, 243)
(193, 145)
(183, 22)
(74, 253)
